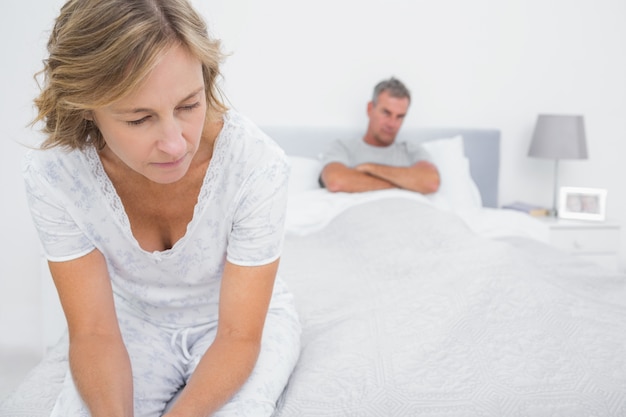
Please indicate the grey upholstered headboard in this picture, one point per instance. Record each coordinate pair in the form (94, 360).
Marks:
(482, 148)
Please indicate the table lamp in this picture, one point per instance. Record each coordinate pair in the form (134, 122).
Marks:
(558, 137)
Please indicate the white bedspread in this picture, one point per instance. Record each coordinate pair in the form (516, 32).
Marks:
(311, 210)
(409, 310)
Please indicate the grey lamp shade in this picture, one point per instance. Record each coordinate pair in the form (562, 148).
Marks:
(559, 137)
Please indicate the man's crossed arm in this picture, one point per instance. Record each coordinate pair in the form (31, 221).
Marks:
(422, 177)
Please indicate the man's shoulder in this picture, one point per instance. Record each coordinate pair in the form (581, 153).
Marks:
(343, 144)
(340, 150)
(347, 141)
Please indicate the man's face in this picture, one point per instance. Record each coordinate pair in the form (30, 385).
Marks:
(386, 117)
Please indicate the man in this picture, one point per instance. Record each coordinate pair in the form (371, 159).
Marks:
(376, 161)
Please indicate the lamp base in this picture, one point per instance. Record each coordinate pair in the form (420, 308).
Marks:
(555, 191)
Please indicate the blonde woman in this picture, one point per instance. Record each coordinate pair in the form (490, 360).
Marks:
(161, 214)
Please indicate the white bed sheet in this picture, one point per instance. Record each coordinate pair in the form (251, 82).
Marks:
(311, 210)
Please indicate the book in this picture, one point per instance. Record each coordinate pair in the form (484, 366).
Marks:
(530, 209)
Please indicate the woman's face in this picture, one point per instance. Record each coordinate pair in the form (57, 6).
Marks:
(156, 130)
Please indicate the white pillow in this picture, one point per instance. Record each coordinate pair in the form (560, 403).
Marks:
(457, 190)
(304, 173)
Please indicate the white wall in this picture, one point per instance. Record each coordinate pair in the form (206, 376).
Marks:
(469, 63)
(22, 42)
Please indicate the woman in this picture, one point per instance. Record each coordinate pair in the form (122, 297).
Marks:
(161, 214)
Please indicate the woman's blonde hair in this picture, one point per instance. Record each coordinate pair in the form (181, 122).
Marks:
(101, 50)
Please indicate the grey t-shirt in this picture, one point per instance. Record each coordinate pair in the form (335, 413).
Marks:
(352, 152)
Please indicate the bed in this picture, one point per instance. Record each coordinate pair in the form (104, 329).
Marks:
(429, 306)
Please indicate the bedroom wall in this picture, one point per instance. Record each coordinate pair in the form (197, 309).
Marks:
(478, 63)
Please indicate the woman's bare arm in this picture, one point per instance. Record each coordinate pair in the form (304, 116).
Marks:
(99, 361)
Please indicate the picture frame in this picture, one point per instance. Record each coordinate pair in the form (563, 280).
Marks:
(580, 203)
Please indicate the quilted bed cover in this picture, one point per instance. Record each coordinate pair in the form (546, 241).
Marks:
(408, 312)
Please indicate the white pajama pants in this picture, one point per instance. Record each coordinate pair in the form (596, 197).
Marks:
(162, 361)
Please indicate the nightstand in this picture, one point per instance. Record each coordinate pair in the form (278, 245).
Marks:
(596, 241)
